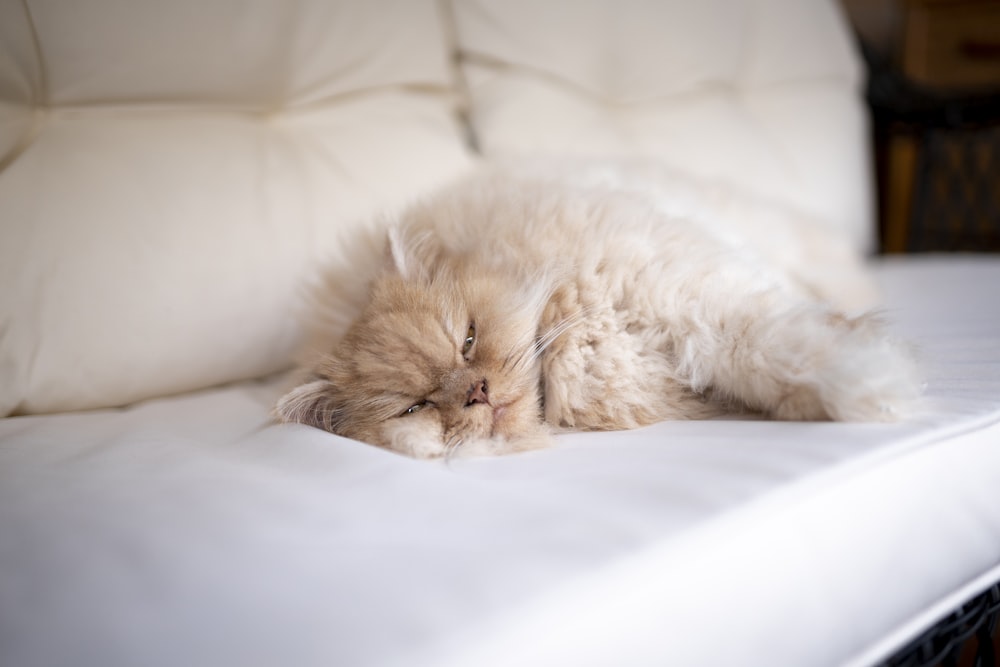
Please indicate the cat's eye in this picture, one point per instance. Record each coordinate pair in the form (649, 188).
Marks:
(415, 408)
(470, 339)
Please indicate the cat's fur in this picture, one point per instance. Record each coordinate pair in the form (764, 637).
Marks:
(533, 298)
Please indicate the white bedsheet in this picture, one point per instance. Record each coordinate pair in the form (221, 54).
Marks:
(189, 531)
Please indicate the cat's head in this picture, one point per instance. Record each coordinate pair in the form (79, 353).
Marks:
(443, 355)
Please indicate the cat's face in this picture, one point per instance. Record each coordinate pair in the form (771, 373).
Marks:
(442, 357)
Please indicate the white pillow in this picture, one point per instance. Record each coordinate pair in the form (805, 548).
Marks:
(188, 173)
(760, 95)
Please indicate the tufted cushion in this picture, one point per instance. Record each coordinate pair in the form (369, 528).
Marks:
(761, 94)
(171, 171)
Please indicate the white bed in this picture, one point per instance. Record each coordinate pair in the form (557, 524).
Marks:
(167, 188)
(189, 530)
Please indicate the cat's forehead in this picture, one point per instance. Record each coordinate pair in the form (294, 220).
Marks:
(415, 330)
(408, 305)
(419, 312)
(404, 341)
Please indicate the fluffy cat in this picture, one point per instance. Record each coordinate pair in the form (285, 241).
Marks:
(527, 299)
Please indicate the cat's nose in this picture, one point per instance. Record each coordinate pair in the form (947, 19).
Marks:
(478, 393)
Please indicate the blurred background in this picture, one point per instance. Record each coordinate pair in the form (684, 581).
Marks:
(934, 93)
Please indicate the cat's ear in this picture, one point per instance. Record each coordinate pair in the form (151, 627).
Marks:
(408, 254)
(313, 403)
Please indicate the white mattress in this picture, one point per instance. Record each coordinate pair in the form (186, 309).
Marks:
(189, 531)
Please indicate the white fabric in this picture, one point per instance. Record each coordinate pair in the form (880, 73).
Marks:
(761, 94)
(167, 188)
(18, 80)
(190, 531)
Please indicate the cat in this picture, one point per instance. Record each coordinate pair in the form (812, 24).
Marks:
(532, 298)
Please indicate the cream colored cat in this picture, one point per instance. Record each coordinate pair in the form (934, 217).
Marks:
(533, 298)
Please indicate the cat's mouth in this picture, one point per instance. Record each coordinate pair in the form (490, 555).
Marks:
(509, 417)
(499, 411)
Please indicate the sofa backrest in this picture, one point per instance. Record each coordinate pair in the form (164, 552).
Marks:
(759, 94)
(171, 173)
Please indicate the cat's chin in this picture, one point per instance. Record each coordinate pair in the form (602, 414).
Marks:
(540, 438)
(514, 427)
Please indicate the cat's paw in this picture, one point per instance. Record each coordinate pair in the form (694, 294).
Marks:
(865, 375)
(800, 403)
(807, 404)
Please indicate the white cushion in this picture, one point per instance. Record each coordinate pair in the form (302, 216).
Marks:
(760, 94)
(19, 73)
(187, 532)
(190, 166)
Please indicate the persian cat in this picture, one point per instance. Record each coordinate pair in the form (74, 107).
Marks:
(532, 298)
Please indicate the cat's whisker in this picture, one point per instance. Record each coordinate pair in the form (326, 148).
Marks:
(550, 336)
(517, 353)
(508, 358)
(323, 415)
(451, 446)
(522, 357)
(565, 324)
